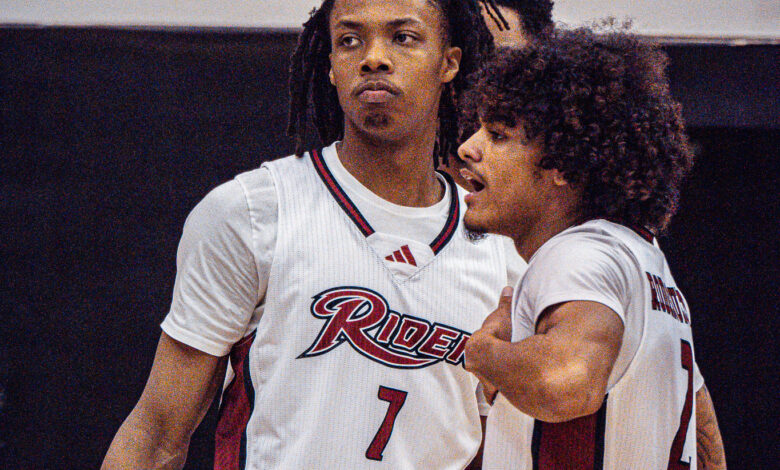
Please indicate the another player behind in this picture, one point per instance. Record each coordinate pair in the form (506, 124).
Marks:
(579, 159)
(512, 23)
(338, 283)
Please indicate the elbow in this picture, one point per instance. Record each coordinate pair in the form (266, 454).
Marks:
(569, 393)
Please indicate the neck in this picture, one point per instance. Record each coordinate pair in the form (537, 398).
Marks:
(400, 171)
(544, 229)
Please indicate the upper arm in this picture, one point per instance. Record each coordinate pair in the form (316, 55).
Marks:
(223, 261)
(584, 339)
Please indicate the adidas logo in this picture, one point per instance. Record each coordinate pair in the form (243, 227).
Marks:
(403, 255)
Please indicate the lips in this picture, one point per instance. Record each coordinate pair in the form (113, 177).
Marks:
(473, 179)
(376, 91)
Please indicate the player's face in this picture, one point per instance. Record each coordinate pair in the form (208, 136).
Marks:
(389, 63)
(512, 37)
(508, 186)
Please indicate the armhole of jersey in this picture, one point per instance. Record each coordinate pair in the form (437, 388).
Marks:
(632, 361)
(252, 326)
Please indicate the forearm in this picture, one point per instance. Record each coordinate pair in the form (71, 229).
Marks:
(709, 444)
(181, 386)
(531, 376)
(140, 443)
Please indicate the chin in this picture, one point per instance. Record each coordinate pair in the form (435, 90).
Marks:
(475, 230)
(377, 121)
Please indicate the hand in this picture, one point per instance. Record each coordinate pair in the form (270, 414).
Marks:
(497, 326)
(489, 390)
(499, 323)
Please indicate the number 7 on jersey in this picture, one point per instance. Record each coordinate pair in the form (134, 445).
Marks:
(396, 399)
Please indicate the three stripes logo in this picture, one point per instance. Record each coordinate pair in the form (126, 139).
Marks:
(402, 255)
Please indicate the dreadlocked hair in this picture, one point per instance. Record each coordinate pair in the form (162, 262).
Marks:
(535, 15)
(313, 97)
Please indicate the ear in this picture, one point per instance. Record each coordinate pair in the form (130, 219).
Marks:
(330, 72)
(450, 64)
(558, 178)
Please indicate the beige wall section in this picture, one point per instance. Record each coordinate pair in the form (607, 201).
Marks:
(695, 18)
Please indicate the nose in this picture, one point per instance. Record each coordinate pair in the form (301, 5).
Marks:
(376, 58)
(471, 149)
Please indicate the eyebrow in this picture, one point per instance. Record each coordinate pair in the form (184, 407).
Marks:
(352, 24)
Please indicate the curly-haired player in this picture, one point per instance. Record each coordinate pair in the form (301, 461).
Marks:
(579, 158)
(338, 282)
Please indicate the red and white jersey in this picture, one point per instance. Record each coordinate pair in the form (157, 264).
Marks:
(353, 364)
(647, 419)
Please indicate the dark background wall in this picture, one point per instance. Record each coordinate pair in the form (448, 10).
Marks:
(109, 137)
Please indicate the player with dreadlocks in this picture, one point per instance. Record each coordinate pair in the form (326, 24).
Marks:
(337, 283)
(310, 89)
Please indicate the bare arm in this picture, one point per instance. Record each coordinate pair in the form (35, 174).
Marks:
(181, 386)
(558, 374)
(709, 445)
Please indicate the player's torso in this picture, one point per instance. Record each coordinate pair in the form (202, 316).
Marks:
(638, 424)
(353, 366)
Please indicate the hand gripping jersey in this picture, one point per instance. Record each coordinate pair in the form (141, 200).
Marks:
(352, 366)
(647, 420)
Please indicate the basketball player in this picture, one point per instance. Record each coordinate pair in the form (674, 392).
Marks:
(522, 21)
(512, 23)
(579, 159)
(338, 284)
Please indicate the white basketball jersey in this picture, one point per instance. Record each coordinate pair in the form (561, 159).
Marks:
(351, 365)
(647, 420)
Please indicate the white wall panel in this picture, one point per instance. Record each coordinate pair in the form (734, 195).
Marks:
(680, 18)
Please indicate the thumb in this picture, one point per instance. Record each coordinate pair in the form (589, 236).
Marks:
(505, 301)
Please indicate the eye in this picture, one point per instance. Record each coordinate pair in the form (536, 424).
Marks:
(349, 40)
(404, 38)
(496, 136)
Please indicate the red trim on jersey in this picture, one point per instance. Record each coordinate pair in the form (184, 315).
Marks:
(452, 220)
(643, 232)
(353, 213)
(576, 444)
(234, 411)
(341, 197)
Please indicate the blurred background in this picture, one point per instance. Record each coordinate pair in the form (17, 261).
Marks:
(117, 117)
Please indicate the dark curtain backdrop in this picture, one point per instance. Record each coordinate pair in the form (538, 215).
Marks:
(109, 137)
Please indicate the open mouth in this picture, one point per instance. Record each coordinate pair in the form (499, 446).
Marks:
(473, 180)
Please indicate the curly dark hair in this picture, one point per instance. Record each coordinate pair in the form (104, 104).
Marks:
(535, 15)
(311, 88)
(601, 105)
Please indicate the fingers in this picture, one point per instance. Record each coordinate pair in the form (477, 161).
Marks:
(489, 391)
